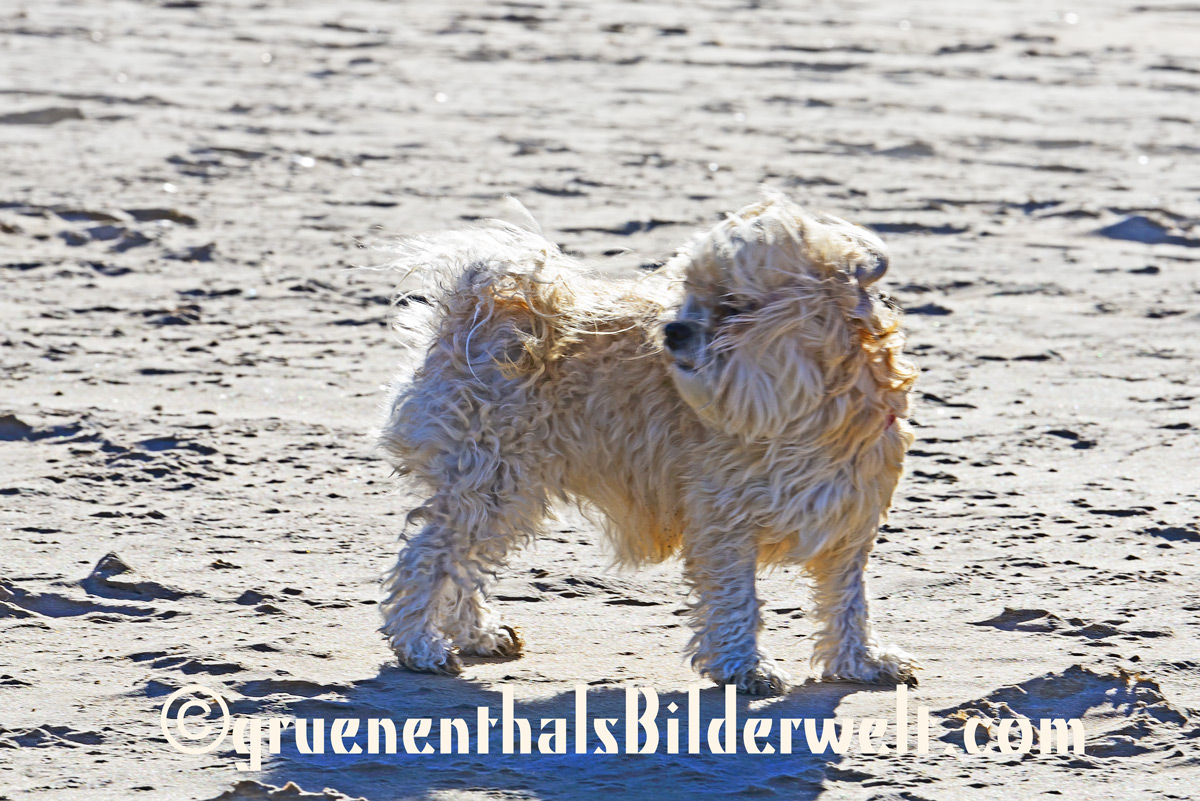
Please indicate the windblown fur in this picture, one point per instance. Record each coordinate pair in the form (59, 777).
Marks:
(743, 406)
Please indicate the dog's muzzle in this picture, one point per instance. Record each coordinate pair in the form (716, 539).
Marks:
(683, 343)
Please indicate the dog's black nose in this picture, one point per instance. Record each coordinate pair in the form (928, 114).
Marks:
(677, 335)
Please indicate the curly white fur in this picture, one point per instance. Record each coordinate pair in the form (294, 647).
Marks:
(771, 430)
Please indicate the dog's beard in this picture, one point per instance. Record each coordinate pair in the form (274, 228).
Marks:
(692, 365)
(696, 390)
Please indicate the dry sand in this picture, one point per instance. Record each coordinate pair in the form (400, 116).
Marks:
(187, 490)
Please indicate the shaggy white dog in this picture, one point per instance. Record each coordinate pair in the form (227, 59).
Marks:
(744, 406)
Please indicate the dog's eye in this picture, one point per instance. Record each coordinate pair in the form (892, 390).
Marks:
(733, 309)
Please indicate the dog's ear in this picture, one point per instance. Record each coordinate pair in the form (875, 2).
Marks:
(868, 261)
(871, 269)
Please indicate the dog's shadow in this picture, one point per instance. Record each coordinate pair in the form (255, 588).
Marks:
(400, 695)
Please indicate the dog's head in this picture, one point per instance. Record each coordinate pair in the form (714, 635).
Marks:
(779, 321)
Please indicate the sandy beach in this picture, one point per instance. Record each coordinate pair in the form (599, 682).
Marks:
(190, 372)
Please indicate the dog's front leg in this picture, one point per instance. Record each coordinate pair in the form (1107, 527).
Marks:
(845, 647)
(726, 613)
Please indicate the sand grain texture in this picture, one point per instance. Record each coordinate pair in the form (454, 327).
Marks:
(187, 490)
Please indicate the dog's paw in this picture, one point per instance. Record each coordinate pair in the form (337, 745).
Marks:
(876, 665)
(503, 641)
(449, 665)
(763, 678)
(428, 655)
(452, 666)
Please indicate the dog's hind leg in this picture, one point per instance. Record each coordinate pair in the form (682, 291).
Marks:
(414, 589)
(726, 613)
(434, 597)
(845, 647)
(467, 619)
(468, 442)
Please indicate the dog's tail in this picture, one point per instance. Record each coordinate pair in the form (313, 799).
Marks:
(469, 278)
